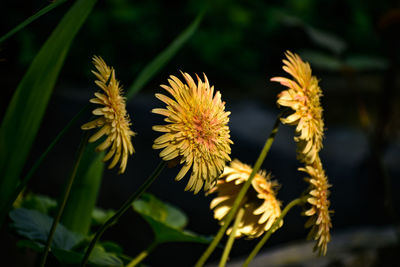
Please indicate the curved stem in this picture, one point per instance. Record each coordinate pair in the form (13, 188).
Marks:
(260, 244)
(231, 239)
(64, 199)
(142, 255)
(122, 210)
(228, 219)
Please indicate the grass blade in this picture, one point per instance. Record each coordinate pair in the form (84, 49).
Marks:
(31, 19)
(166, 55)
(28, 104)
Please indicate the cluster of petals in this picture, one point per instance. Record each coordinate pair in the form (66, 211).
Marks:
(303, 97)
(318, 193)
(113, 119)
(261, 208)
(196, 134)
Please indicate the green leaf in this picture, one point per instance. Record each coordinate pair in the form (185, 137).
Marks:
(82, 200)
(67, 256)
(160, 211)
(36, 226)
(40, 203)
(100, 216)
(162, 59)
(326, 39)
(319, 37)
(165, 233)
(28, 104)
(322, 61)
(366, 63)
(112, 247)
(35, 246)
(166, 221)
(99, 257)
(31, 19)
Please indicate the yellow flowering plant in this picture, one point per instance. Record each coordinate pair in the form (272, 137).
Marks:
(195, 137)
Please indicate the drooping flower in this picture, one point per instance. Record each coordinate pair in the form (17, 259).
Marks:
(318, 193)
(261, 208)
(113, 121)
(303, 96)
(197, 133)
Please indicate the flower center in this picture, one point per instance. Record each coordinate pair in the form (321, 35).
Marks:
(204, 130)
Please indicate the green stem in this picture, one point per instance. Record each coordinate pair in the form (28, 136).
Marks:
(297, 201)
(64, 199)
(36, 165)
(228, 219)
(142, 255)
(231, 239)
(122, 210)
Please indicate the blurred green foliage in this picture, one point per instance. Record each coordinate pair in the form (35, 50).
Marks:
(237, 40)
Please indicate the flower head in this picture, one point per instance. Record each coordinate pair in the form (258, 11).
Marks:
(261, 208)
(303, 96)
(318, 193)
(197, 133)
(113, 120)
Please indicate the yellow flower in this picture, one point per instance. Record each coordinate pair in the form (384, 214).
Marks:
(197, 134)
(261, 208)
(114, 120)
(303, 96)
(318, 193)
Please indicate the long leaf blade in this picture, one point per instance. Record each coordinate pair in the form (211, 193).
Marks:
(32, 18)
(162, 59)
(28, 104)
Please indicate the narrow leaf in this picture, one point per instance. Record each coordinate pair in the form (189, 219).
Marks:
(159, 62)
(28, 104)
(38, 162)
(31, 19)
(82, 200)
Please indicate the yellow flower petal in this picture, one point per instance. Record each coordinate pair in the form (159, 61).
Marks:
(260, 204)
(197, 132)
(114, 119)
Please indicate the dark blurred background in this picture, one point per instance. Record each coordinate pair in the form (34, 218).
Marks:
(352, 46)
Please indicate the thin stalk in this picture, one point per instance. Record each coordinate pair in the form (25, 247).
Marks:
(228, 219)
(38, 162)
(142, 255)
(231, 239)
(260, 244)
(122, 210)
(64, 199)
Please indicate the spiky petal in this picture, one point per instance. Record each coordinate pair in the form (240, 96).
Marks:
(113, 119)
(318, 193)
(261, 208)
(197, 133)
(303, 97)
